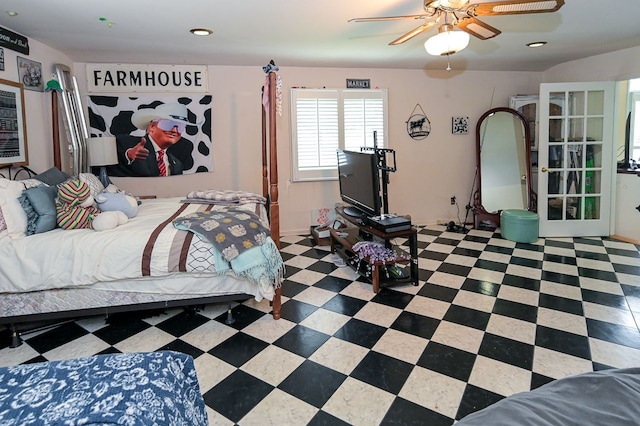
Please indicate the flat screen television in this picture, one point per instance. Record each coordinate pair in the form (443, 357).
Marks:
(359, 183)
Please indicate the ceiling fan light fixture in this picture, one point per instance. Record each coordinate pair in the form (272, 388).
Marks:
(452, 4)
(536, 44)
(447, 41)
(201, 31)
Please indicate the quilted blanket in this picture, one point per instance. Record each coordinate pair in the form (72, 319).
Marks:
(158, 388)
(224, 197)
(242, 243)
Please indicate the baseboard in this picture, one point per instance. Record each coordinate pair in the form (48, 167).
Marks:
(625, 239)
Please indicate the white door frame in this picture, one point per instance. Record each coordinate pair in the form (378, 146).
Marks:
(572, 221)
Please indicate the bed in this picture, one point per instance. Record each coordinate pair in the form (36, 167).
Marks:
(157, 388)
(146, 263)
(608, 398)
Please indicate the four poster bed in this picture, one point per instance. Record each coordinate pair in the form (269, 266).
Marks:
(146, 263)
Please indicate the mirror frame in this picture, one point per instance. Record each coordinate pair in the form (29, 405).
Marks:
(481, 217)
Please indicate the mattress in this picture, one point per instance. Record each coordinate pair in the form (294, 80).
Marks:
(147, 246)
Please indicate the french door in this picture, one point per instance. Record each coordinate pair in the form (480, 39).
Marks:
(575, 159)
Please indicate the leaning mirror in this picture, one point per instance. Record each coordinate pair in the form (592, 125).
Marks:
(503, 166)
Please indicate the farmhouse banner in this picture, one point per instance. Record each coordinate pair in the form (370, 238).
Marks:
(127, 78)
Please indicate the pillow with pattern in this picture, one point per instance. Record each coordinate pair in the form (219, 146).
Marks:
(3, 225)
(32, 182)
(95, 186)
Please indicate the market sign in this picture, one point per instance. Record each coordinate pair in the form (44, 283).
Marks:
(358, 83)
(14, 41)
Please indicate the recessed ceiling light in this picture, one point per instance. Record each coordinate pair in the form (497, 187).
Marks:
(12, 13)
(201, 31)
(536, 44)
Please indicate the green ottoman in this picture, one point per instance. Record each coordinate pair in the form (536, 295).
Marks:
(520, 226)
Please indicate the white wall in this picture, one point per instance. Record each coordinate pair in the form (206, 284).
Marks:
(429, 172)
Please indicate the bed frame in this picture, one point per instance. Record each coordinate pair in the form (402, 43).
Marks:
(269, 191)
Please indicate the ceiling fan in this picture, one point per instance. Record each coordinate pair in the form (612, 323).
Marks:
(461, 14)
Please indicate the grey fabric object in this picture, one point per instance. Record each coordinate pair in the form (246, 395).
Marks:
(40, 206)
(608, 398)
(52, 177)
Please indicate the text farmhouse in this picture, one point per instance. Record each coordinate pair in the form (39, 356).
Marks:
(146, 78)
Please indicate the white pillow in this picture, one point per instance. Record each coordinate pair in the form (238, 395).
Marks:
(14, 215)
(95, 186)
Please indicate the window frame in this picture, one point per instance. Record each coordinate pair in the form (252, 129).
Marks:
(331, 172)
(634, 128)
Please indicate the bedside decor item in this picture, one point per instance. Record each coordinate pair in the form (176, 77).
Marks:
(418, 125)
(460, 125)
(102, 152)
(13, 142)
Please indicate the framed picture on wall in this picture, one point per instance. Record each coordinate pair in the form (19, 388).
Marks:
(30, 74)
(13, 128)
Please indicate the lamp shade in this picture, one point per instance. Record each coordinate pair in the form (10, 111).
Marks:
(102, 151)
(447, 41)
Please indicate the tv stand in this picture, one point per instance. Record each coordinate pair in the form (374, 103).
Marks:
(342, 241)
(353, 212)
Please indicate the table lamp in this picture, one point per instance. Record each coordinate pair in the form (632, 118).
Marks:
(102, 152)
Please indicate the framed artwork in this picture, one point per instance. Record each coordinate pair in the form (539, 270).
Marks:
(190, 151)
(460, 125)
(1, 59)
(30, 74)
(13, 128)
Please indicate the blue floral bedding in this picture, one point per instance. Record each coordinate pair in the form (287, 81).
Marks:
(158, 388)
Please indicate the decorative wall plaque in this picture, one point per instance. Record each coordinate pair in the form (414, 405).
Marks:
(418, 125)
(460, 125)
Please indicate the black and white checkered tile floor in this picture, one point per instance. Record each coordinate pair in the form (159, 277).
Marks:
(490, 318)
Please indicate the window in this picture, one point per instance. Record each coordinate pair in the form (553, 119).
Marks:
(324, 120)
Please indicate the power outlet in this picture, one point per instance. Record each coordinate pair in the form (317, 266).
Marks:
(453, 200)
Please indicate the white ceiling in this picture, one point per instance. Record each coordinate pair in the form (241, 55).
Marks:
(311, 33)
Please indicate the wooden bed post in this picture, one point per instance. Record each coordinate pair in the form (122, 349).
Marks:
(274, 207)
(57, 162)
(265, 170)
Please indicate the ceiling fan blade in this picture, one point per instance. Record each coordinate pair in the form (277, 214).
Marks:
(388, 18)
(411, 34)
(514, 7)
(477, 28)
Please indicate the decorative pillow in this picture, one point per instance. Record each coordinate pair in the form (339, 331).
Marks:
(52, 177)
(40, 207)
(95, 186)
(32, 182)
(3, 225)
(14, 216)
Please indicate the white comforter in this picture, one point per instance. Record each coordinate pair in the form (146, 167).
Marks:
(82, 257)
